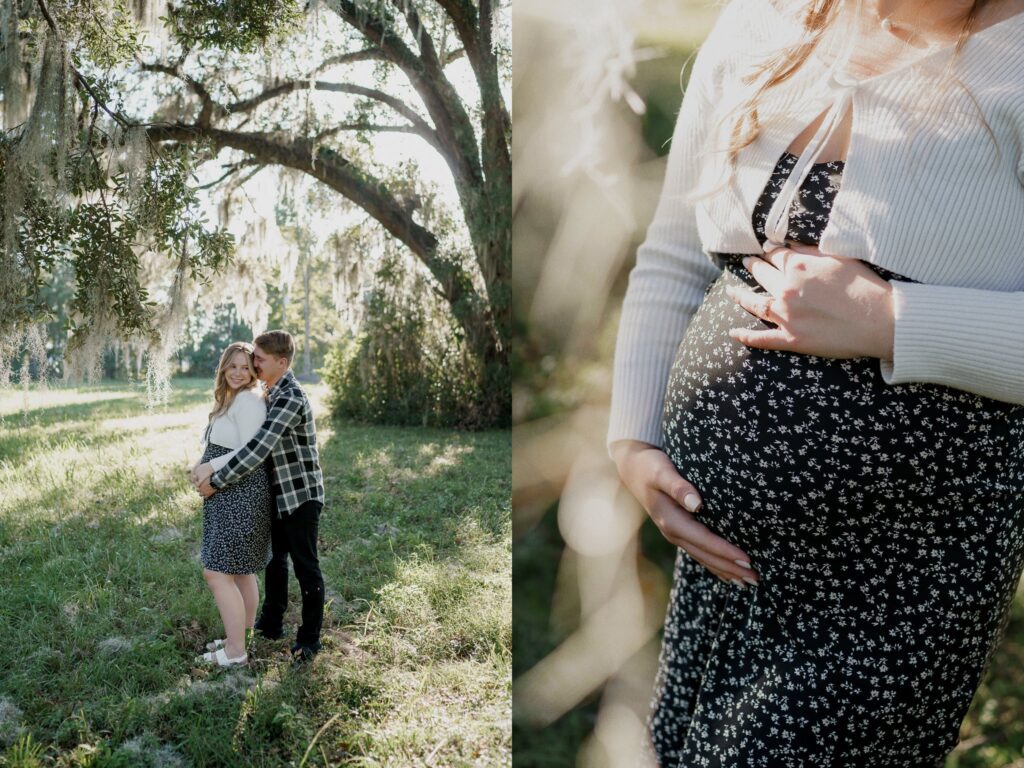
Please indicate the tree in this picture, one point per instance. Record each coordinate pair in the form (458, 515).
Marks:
(389, 62)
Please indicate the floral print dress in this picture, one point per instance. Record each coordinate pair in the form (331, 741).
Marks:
(884, 522)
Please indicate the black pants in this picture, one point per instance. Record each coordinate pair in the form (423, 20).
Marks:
(295, 534)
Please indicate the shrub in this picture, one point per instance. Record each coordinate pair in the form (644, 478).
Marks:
(406, 364)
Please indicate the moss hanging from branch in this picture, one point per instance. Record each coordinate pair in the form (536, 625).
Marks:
(26, 349)
(47, 136)
(168, 333)
(82, 189)
(149, 14)
(13, 66)
(134, 160)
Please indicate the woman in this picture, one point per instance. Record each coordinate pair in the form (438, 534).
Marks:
(819, 380)
(236, 520)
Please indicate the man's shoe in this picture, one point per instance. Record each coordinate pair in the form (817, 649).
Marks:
(269, 631)
(303, 653)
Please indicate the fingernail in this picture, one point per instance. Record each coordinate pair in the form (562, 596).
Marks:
(750, 581)
(743, 564)
(691, 501)
(738, 583)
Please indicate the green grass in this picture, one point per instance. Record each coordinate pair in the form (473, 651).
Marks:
(104, 605)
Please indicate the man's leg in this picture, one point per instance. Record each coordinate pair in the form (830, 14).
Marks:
(303, 525)
(275, 581)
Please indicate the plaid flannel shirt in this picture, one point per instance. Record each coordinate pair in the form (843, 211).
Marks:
(288, 438)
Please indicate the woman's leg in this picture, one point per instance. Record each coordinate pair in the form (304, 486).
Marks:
(250, 589)
(232, 610)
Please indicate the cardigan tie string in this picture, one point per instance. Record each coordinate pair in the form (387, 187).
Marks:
(777, 224)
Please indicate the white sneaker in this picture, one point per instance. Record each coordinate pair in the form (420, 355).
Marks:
(220, 658)
(220, 642)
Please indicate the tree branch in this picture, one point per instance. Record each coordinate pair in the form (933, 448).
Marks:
(497, 121)
(235, 168)
(276, 91)
(328, 166)
(369, 127)
(367, 54)
(453, 56)
(208, 104)
(475, 32)
(79, 78)
(442, 101)
(463, 16)
(428, 53)
(417, 125)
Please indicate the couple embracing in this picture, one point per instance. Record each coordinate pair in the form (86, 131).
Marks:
(263, 492)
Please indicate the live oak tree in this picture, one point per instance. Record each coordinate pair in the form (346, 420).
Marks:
(113, 132)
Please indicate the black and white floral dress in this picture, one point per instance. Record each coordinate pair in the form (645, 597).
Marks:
(236, 519)
(884, 522)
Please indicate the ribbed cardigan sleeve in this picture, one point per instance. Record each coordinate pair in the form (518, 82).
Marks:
(967, 338)
(667, 283)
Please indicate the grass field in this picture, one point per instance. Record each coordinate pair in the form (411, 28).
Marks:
(104, 606)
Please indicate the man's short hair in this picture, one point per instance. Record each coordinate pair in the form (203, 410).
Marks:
(277, 344)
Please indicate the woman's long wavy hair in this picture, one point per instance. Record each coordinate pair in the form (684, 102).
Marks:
(818, 17)
(224, 395)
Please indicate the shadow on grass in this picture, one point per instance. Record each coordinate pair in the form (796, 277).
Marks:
(40, 428)
(186, 394)
(397, 492)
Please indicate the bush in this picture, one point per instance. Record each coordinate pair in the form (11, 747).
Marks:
(406, 365)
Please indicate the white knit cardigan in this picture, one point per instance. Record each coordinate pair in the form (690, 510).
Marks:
(237, 425)
(924, 193)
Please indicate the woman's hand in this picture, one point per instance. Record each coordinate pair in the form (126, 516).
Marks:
(652, 478)
(830, 306)
(201, 473)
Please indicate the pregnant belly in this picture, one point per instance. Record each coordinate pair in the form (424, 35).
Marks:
(867, 509)
(783, 441)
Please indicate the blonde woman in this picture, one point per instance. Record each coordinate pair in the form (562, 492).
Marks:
(236, 521)
(819, 380)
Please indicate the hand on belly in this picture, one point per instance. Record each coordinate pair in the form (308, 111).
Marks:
(830, 306)
(671, 502)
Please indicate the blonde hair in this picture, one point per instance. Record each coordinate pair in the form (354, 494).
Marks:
(223, 395)
(818, 17)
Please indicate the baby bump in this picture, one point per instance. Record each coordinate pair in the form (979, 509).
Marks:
(862, 505)
(784, 427)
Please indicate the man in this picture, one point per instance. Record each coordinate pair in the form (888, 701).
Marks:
(288, 438)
